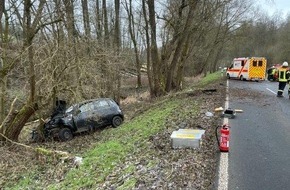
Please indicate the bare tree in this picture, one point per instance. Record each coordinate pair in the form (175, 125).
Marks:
(117, 43)
(106, 23)
(148, 52)
(3, 74)
(117, 34)
(179, 42)
(132, 31)
(156, 74)
(2, 10)
(98, 20)
(70, 20)
(86, 19)
(17, 120)
(12, 126)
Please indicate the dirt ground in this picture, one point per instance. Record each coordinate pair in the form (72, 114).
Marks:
(176, 168)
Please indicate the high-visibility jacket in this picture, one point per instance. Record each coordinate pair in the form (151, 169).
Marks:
(273, 71)
(282, 74)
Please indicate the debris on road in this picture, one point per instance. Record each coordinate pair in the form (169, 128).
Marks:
(209, 114)
(229, 113)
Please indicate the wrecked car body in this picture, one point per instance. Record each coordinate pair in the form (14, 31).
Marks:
(82, 117)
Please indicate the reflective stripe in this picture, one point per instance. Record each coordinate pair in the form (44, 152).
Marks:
(273, 71)
(282, 75)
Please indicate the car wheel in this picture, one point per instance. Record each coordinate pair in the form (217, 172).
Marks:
(90, 129)
(117, 121)
(65, 134)
(241, 77)
(35, 136)
(228, 76)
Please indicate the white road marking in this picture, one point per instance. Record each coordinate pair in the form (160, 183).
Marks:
(223, 164)
(223, 172)
(271, 91)
(224, 156)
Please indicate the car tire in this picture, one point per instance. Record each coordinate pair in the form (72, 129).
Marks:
(65, 134)
(242, 78)
(117, 121)
(35, 136)
(228, 76)
(90, 129)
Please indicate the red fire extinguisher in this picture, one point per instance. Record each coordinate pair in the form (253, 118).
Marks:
(224, 139)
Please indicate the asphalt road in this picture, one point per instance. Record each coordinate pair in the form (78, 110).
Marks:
(259, 156)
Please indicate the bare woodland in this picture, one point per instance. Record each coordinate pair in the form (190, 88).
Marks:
(75, 50)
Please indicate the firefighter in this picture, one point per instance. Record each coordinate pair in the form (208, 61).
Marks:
(271, 73)
(288, 75)
(274, 74)
(282, 78)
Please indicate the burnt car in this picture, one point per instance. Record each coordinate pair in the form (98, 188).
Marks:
(83, 117)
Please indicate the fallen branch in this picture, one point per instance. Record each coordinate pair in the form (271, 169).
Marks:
(13, 142)
(42, 151)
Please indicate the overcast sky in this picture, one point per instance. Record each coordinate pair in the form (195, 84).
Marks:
(272, 6)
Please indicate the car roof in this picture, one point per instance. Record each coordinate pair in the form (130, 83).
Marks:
(93, 100)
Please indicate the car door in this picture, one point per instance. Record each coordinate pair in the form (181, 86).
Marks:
(85, 115)
(102, 110)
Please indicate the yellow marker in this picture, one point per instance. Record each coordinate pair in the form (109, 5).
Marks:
(186, 136)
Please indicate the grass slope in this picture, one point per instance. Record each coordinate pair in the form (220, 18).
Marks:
(113, 147)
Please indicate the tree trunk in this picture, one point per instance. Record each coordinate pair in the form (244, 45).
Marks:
(117, 43)
(8, 119)
(3, 80)
(72, 40)
(86, 19)
(30, 29)
(5, 66)
(117, 35)
(70, 24)
(14, 125)
(134, 41)
(3, 77)
(58, 31)
(28, 37)
(87, 27)
(106, 24)
(2, 10)
(148, 54)
(158, 90)
(179, 43)
(178, 79)
(98, 20)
